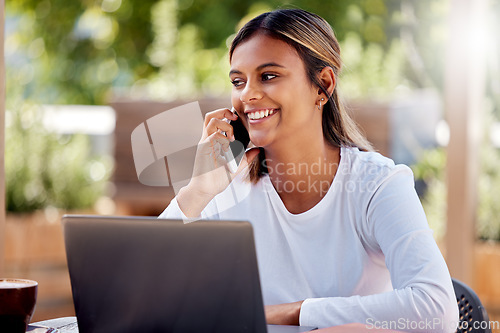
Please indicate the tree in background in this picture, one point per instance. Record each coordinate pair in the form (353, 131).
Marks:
(381, 43)
(72, 52)
(88, 52)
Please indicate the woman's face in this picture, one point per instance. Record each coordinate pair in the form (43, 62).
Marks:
(271, 92)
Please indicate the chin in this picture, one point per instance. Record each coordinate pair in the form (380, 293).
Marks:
(259, 140)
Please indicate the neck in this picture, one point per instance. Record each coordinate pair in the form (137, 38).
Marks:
(294, 163)
(302, 176)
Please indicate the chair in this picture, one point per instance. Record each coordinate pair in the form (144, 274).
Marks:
(473, 316)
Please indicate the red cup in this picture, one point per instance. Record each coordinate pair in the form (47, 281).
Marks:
(17, 304)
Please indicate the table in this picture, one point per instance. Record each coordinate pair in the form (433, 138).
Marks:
(63, 325)
(69, 325)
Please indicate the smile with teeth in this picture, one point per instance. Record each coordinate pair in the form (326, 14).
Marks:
(260, 114)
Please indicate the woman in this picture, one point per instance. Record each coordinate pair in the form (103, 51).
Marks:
(340, 234)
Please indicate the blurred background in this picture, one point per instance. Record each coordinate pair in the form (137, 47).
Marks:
(81, 75)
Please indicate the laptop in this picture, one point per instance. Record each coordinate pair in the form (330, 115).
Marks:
(143, 274)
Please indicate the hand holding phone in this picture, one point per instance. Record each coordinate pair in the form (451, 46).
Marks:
(210, 174)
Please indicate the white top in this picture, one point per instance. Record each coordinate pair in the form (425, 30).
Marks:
(364, 253)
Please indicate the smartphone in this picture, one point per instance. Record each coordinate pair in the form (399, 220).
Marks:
(238, 146)
(240, 132)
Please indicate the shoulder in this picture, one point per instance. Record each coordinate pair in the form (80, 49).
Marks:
(372, 167)
(384, 196)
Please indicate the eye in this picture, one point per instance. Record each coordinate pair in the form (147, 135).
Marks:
(267, 76)
(237, 82)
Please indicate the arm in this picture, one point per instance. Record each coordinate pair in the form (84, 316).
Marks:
(423, 297)
(283, 314)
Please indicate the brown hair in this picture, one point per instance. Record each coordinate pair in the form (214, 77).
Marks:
(314, 40)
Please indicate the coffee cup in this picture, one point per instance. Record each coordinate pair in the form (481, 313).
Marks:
(17, 304)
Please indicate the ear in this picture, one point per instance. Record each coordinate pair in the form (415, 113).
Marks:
(327, 79)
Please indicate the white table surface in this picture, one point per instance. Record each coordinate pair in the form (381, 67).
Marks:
(62, 325)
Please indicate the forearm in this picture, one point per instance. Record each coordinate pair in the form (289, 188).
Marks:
(192, 202)
(283, 314)
(410, 309)
(191, 208)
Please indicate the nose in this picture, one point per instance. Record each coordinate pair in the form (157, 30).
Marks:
(251, 92)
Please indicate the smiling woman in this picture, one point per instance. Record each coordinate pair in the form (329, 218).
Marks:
(341, 236)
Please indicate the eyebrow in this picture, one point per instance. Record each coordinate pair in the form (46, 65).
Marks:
(260, 67)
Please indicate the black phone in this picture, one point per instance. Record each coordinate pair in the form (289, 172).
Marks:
(238, 146)
(240, 132)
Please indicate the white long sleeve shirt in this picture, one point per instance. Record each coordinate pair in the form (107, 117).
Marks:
(364, 253)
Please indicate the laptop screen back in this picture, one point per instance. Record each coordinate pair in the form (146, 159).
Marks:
(150, 275)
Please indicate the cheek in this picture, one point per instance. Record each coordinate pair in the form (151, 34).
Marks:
(235, 100)
(238, 105)
(297, 91)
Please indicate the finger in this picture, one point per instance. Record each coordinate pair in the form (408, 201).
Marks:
(217, 125)
(209, 157)
(219, 114)
(219, 142)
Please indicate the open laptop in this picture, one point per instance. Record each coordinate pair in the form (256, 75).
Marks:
(143, 274)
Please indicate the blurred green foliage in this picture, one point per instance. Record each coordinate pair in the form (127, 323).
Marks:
(73, 51)
(431, 170)
(46, 169)
(90, 51)
(493, 58)
(488, 214)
